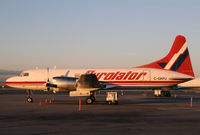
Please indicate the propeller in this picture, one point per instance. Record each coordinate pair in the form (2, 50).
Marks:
(67, 73)
(48, 82)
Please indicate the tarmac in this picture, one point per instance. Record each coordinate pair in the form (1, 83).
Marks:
(137, 113)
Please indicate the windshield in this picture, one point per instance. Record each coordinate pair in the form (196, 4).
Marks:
(24, 74)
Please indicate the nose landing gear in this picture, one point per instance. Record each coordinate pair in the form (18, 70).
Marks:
(29, 98)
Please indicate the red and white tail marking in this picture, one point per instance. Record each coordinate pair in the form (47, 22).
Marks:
(175, 57)
(178, 59)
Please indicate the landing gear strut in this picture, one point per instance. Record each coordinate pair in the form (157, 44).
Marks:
(90, 99)
(29, 98)
(162, 93)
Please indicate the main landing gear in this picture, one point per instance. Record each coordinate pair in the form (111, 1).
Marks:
(29, 98)
(162, 93)
(91, 99)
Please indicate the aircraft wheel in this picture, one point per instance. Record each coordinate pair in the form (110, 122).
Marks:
(165, 94)
(89, 100)
(108, 102)
(29, 100)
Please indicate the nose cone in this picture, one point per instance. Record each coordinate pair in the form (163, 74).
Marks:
(10, 81)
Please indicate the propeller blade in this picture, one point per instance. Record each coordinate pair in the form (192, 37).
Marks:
(67, 73)
(48, 75)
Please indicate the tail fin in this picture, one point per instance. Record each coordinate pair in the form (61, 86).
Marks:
(177, 60)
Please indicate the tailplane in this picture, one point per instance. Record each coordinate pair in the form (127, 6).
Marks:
(177, 60)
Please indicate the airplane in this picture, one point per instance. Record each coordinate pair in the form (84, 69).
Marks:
(163, 75)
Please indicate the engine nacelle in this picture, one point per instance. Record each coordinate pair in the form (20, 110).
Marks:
(86, 82)
(68, 83)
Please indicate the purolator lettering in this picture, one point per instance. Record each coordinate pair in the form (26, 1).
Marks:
(99, 77)
(127, 74)
(114, 76)
(133, 76)
(109, 76)
(120, 76)
(140, 75)
(97, 74)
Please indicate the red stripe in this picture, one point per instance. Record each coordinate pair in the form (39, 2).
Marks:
(119, 82)
(144, 82)
(25, 82)
(147, 84)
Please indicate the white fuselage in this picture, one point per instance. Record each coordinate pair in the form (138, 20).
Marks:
(133, 78)
(193, 84)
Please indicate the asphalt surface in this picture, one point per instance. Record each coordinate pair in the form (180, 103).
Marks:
(136, 113)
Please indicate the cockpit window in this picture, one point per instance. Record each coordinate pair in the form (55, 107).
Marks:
(24, 74)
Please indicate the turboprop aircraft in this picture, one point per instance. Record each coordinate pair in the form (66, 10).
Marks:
(164, 74)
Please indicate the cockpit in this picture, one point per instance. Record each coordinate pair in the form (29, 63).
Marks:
(24, 74)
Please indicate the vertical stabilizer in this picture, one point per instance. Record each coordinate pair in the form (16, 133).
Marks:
(177, 60)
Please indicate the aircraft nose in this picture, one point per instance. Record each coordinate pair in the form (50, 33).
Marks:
(9, 81)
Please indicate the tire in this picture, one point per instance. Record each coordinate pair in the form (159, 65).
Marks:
(89, 101)
(29, 100)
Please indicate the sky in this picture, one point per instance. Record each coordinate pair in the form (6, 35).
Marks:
(95, 33)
